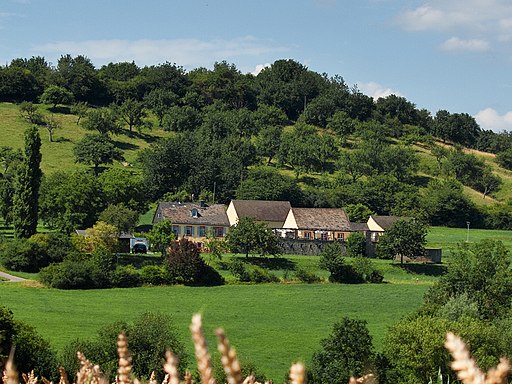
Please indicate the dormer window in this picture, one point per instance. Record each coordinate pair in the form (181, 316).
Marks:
(195, 213)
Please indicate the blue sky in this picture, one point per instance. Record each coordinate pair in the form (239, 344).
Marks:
(439, 54)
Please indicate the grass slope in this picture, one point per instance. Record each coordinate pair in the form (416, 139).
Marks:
(271, 325)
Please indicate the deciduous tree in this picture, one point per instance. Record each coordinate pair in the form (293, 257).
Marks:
(404, 239)
(96, 150)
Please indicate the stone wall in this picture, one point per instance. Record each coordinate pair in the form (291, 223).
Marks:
(305, 247)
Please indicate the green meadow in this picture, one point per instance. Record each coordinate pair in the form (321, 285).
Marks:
(271, 325)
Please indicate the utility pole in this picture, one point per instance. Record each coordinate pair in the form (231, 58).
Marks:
(467, 237)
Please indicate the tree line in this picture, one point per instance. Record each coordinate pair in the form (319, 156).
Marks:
(286, 134)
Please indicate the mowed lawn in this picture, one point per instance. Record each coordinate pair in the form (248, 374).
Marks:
(271, 325)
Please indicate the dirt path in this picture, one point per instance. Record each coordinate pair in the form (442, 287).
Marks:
(11, 278)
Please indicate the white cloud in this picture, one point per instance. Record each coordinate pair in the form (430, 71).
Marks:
(185, 52)
(259, 68)
(489, 118)
(472, 45)
(376, 90)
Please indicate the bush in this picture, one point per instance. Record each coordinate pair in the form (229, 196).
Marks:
(185, 265)
(356, 244)
(126, 276)
(149, 336)
(260, 275)
(153, 275)
(347, 352)
(238, 269)
(73, 274)
(31, 352)
(306, 277)
(363, 267)
(22, 255)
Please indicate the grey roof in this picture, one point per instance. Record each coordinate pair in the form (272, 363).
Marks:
(385, 222)
(262, 210)
(181, 213)
(359, 227)
(332, 219)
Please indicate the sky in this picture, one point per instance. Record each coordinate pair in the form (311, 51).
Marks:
(454, 55)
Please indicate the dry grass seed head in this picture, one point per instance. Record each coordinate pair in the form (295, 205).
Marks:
(171, 368)
(204, 363)
(297, 374)
(188, 378)
(229, 360)
(10, 373)
(465, 367)
(125, 360)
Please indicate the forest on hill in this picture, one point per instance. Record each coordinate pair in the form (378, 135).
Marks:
(288, 133)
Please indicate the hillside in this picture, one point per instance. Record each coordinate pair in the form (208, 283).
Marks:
(58, 155)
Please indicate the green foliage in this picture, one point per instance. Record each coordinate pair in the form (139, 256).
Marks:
(306, 277)
(356, 244)
(31, 351)
(26, 187)
(265, 183)
(347, 352)
(404, 239)
(504, 158)
(70, 201)
(161, 236)
(249, 236)
(124, 219)
(30, 112)
(482, 272)
(23, 255)
(54, 95)
(133, 114)
(458, 307)
(358, 212)
(126, 276)
(185, 266)
(96, 150)
(102, 120)
(154, 275)
(149, 336)
(122, 186)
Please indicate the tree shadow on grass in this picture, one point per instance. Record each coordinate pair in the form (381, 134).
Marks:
(125, 146)
(272, 263)
(423, 269)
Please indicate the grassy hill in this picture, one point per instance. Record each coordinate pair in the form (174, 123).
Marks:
(58, 155)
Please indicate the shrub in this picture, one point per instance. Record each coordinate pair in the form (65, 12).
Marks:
(238, 269)
(364, 267)
(347, 352)
(31, 352)
(153, 275)
(260, 275)
(306, 277)
(149, 336)
(126, 276)
(72, 274)
(185, 265)
(356, 244)
(22, 255)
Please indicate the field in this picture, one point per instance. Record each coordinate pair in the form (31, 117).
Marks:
(270, 325)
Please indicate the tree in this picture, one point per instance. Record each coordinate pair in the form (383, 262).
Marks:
(347, 352)
(54, 95)
(248, 236)
(404, 239)
(181, 119)
(10, 159)
(51, 124)
(30, 112)
(185, 265)
(358, 212)
(159, 101)
(504, 158)
(95, 150)
(121, 186)
(70, 201)
(161, 236)
(80, 109)
(356, 244)
(268, 142)
(132, 112)
(27, 183)
(482, 272)
(123, 218)
(102, 120)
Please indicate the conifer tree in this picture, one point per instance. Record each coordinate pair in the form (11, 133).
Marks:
(27, 182)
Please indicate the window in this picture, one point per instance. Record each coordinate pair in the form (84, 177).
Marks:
(308, 235)
(323, 236)
(340, 236)
(218, 231)
(194, 212)
(189, 231)
(176, 230)
(202, 231)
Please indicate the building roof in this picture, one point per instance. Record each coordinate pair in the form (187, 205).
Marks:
(385, 222)
(262, 210)
(331, 219)
(359, 227)
(182, 213)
